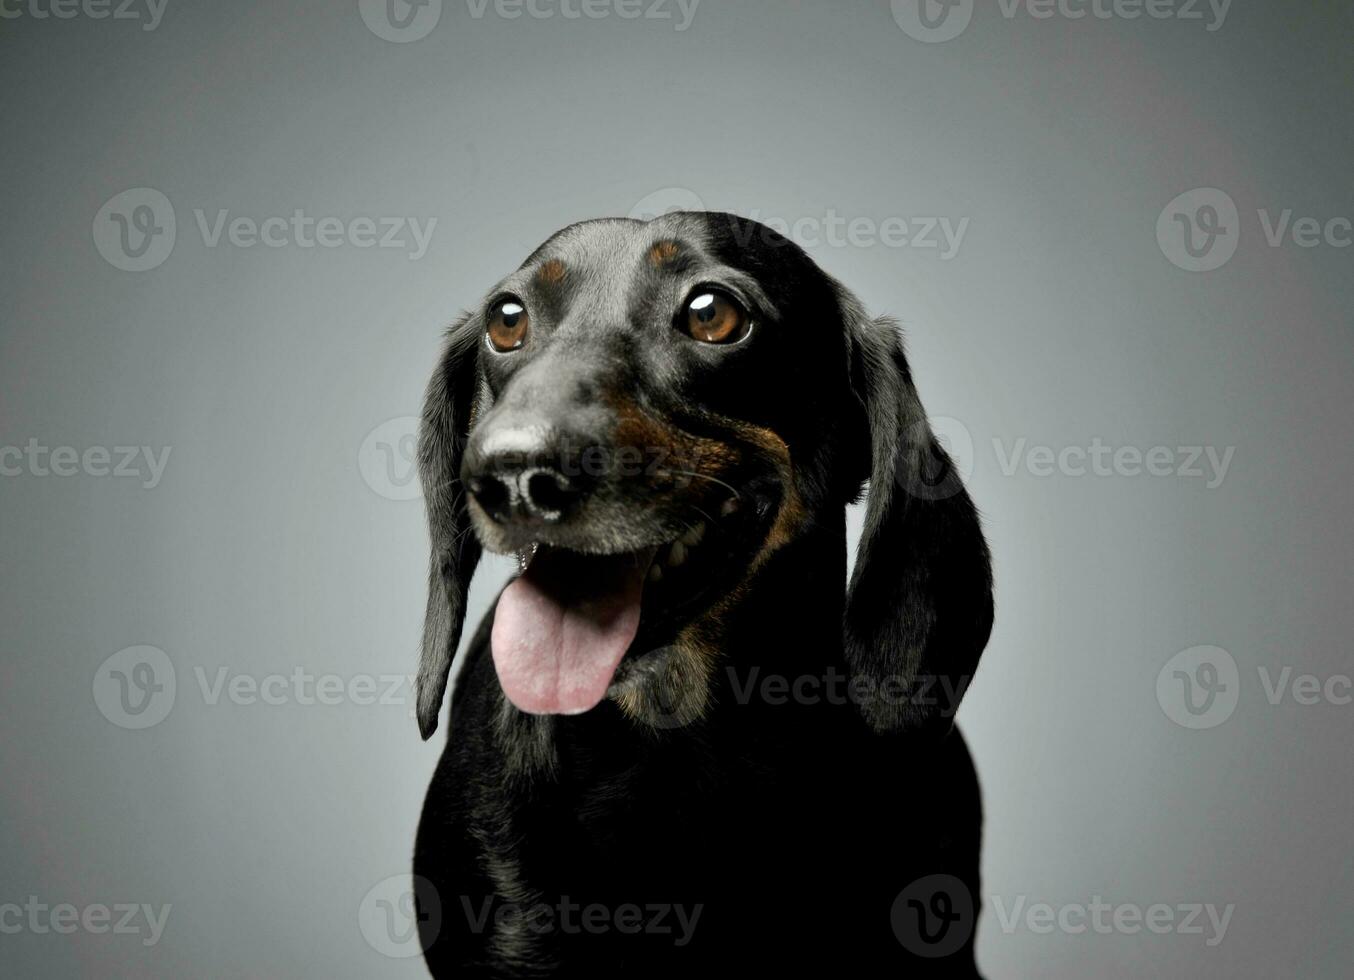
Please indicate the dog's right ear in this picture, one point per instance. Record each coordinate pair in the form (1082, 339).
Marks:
(447, 411)
(920, 606)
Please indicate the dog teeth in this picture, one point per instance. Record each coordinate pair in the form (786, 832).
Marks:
(693, 537)
(676, 554)
(728, 507)
(655, 573)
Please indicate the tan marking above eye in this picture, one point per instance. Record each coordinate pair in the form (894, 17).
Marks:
(508, 323)
(714, 318)
(663, 252)
(552, 271)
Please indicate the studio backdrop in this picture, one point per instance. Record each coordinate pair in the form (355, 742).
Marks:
(1117, 237)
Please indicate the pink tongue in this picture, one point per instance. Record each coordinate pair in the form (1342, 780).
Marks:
(561, 629)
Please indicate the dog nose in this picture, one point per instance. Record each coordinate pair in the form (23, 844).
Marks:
(523, 480)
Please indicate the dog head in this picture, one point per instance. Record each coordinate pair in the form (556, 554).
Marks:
(643, 413)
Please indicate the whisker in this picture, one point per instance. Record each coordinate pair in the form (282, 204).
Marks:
(708, 519)
(713, 479)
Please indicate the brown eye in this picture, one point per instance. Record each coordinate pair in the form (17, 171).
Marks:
(716, 319)
(508, 322)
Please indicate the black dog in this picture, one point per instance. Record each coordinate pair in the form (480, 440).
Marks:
(680, 741)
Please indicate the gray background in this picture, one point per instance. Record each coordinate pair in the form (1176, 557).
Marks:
(271, 543)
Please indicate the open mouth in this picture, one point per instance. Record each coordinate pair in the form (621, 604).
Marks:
(562, 629)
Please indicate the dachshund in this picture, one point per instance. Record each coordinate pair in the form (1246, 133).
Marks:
(684, 737)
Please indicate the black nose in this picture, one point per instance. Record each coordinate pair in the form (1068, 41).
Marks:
(542, 485)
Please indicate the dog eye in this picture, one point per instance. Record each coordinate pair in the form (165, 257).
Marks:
(508, 322)
(716, 318)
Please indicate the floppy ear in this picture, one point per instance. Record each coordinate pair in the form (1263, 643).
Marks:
(455, 549)
(920, 607)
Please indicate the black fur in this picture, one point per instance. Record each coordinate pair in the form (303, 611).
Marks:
(791, 824)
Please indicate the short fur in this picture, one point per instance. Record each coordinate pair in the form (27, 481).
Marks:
(793, 824)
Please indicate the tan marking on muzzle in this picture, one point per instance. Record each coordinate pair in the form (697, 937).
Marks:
(681, 693)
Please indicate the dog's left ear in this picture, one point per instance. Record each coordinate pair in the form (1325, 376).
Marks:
(455, 549)
(920, 607)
